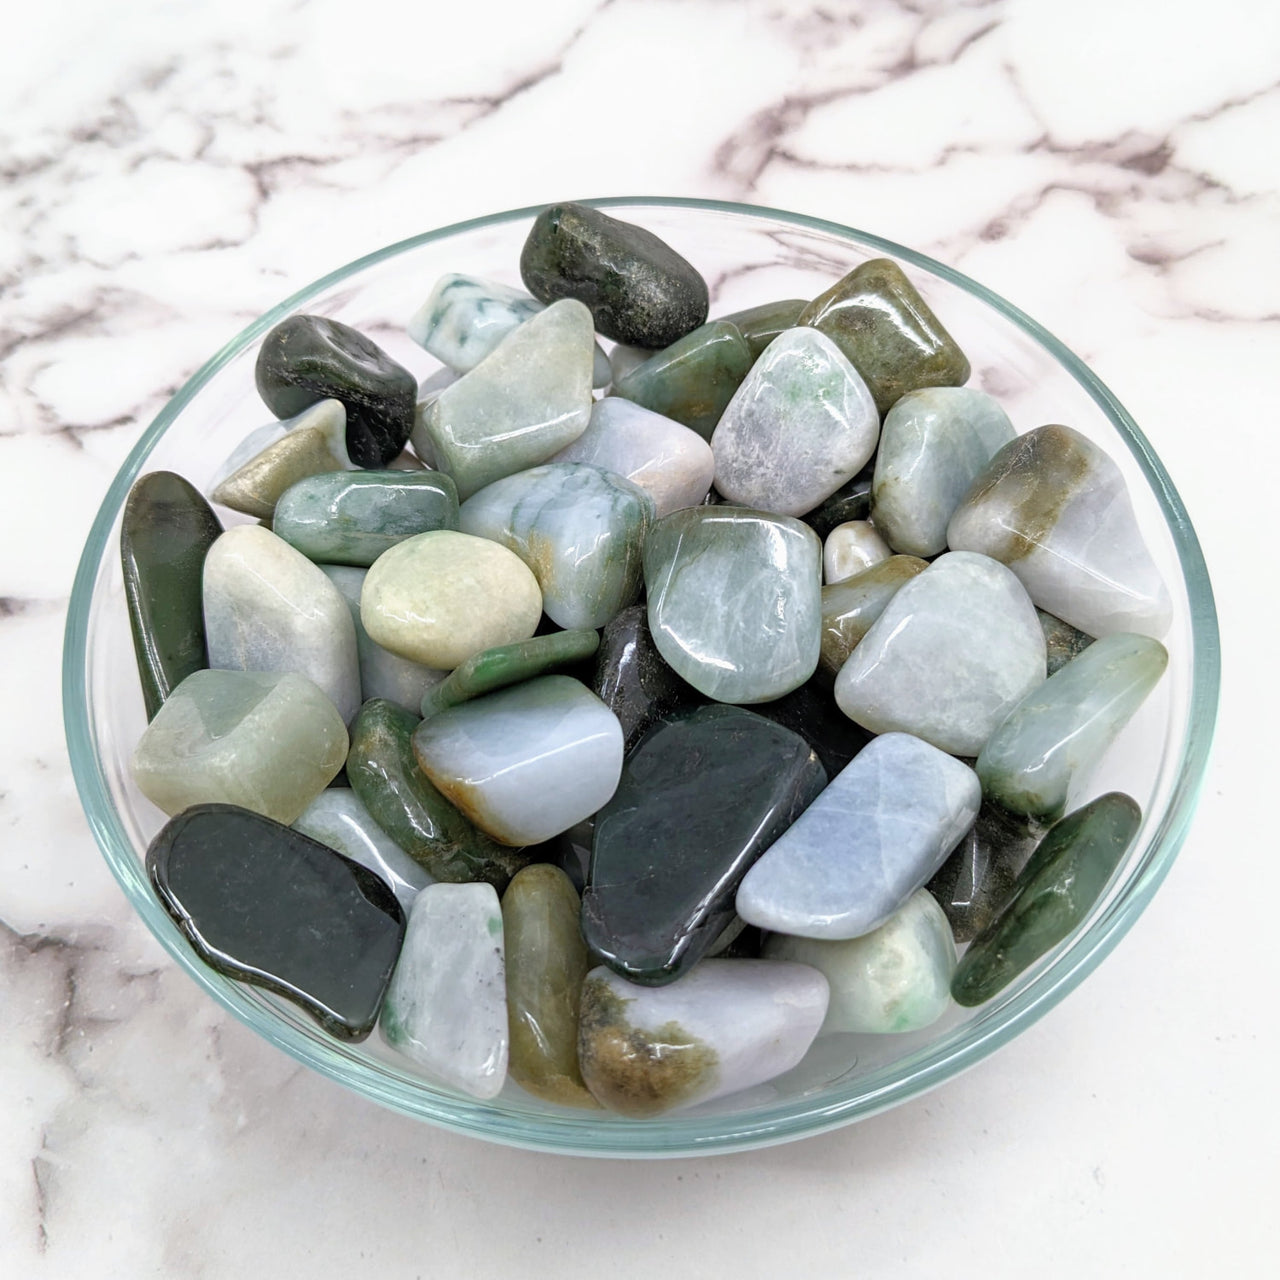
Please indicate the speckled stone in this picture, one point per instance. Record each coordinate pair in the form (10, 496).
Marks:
(759, 325)
(850, 549)
(850, 607)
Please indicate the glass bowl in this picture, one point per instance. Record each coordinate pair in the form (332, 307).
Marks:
(748, 255)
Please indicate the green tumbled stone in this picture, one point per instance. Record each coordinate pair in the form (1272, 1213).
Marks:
(1062, 641)
(167, 530)
(1067, 874)
(850, 607)
(760, 325)
(878, 319)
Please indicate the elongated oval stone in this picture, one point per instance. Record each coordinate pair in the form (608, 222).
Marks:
(873, 837)
(266, 741)
(759, 325)
(801, 425)
(268, 608)
(165, 534)
(527, 762)
(764, 573)
(895, 978)
(850, 549)
(266, 905)
(446, 1006)
(384, 774)
(878, 319)
(700, 799)
(728, 1025)
(1057, 889)
(1054, 508)
(850, 607)
(640, 290)
(309, 358)
(952, 654)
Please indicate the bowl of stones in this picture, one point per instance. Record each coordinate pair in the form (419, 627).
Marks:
(641, 677)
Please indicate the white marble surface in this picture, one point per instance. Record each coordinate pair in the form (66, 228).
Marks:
(170, 170)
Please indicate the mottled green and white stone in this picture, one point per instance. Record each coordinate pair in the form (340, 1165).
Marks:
(852, 548)
(446, 1007)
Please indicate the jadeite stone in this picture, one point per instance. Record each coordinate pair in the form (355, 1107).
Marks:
(895, 978)
(1061, 729)
(852, 501)
(699, 800)
(439, 597)
(955, 650)
(337, 818)
(269, 906)
(672, 464)
(165, 534)
(640, 290)
(728, 1025)
(811, 712)
(546, 964)
(873, 837)
(735, 600)
(850, 549)
(527, 762)
(385, 775)
(850, 607)
(1067, 874)
(878, 319)
(934, 444)
(519, 406)
(760, 325)
(268, 608)
(313, 443)
(692, 380)
(801, 425)
(1054, 508)
(309, 358)
(1062, 641)
(266, 741)
(446, 1006)
(579, 529)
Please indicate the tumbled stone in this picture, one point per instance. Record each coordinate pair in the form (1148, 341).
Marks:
(850, 607)
(1054, 508)
(700, 798)
(759, 325)
(764, 574)
(952, 654)
(446, 1006)
(728, 1025)
(640, 291)
(1062, 641)
(878, 319)
(852, 501)
(1057, 889)
(165, 534)
(850, 549)
(811, 712)
(268, 906)
(309, 358)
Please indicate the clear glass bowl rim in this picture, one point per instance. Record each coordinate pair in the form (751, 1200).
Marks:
(677, 1135)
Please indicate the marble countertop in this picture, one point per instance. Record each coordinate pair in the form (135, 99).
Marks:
(171, 170)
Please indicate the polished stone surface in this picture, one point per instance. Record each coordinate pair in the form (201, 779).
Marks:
(759, 325)
(852, 501)
(850, 549)
(811, 712)
(850, 607)
(465, 317)
(1062, 641)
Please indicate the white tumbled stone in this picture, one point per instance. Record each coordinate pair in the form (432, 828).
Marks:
(852, 548)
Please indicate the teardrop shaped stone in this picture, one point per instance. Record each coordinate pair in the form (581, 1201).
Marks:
(850, 607)
(1054, 508)
(850, 549)
(1062, 641)
(759, 325)
(165, 534)
(852, 501)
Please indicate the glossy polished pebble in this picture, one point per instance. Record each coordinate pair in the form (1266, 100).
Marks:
(1067, 874)
(850, 549)
(527, 762)
(165, 534)
(700, 799)
(640, 291)
(579, 529)
(801, 425)
(850, 607)
(728, 1025)
(934, 444)
(546, 964)
(309, 358)
(764, 573)
(874, 836)
(878, 319)
(761, 324)
(446, 1006)
(895, 978)
(952, 654)
(1054, 508)
(268, 906)
(266, 741)
(1062, 641)
(852, 501)
(439, 597)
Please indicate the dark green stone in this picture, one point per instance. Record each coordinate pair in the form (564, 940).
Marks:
(852, 501)
(760, 325)
(267, 905)
(309, 358)
(878, 319)
(701, 797)
(384, 773)
(811, 712)
(1066, 875)
(166, 531)
(1062, 641)
(640, 291)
